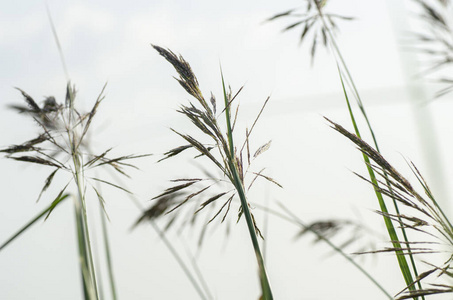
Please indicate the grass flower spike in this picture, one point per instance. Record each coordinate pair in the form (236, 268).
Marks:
(423, 215)
(61, 146)
(219, 149)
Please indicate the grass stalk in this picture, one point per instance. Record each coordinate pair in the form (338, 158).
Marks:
(230, 164)
(405, 194)
(265, 227)
(57, 42)
(108, 256)
(88, 291)
(341, 64)
(265, 286)
(172, 249)
(404, 267)
(86, 259)
(178, 259)
(88, 270)
(295, 220)
(105, 237)
(197, 271)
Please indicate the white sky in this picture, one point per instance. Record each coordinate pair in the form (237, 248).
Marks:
(109, 41)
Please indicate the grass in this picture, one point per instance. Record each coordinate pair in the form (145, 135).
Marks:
(224, 181)
(229, 161)
(61, 146)
(326, 28)
(402, 248)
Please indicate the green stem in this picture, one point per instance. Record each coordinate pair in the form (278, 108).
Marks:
(108, 254)
(87, 257)
(82, 252)
(388, 222)
(232, 164)
(405, 270)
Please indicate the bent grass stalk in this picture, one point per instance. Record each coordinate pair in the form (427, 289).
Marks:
(292, 218)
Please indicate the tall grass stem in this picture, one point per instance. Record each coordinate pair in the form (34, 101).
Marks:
(108, 255)
(265, 286)
(341, 64)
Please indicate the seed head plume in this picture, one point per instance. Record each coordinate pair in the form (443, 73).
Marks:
(423, 215)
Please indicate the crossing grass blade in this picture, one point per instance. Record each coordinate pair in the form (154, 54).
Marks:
(291, 217)
(325, 25)
(425, 213)
(46, 211)
(402, 262)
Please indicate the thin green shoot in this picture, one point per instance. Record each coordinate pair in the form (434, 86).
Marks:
(24, 228)
(406, 271)
(265, 286)
(404, 267)
(107, 250)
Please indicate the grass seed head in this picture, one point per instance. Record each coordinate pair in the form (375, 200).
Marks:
(61, 144)
(218, 149)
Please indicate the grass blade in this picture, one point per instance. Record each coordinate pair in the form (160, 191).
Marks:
(108, 255)
(54, 204)
(402, 262)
